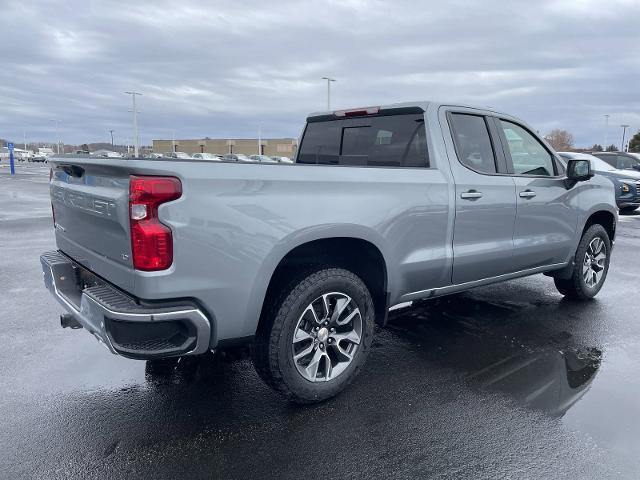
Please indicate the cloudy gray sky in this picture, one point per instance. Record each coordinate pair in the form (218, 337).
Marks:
(223, 68)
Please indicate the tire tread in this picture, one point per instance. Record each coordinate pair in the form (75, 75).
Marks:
(265, 351)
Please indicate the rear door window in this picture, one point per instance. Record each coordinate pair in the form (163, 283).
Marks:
(472, 141)
(381, 141)
(625, 162)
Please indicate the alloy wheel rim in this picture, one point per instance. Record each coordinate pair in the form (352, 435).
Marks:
(593, 264)
(327, 337)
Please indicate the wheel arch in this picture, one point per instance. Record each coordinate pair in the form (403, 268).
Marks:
(602, 217)
(362, 256)
(599, 216)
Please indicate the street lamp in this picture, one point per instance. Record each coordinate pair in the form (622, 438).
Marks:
(57, 125)
(624, 131)
(329, 80)
(606, 131)
(135, 122)
(111, 132)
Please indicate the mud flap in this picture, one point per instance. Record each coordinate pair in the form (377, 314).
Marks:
(564, 273)
(381, 306)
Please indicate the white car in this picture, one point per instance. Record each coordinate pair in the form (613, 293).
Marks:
(237, 157)
(207, 156)
(262, 158)
(182, 155)
(106, 154)
(282, 159)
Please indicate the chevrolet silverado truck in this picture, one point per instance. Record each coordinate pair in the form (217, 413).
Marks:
(383, 205)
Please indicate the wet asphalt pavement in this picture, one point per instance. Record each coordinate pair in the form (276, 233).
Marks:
(507, 381)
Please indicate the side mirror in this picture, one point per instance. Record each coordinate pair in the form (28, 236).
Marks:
(578, 171)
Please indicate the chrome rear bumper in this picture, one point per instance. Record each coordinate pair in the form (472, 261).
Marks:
(121, 323)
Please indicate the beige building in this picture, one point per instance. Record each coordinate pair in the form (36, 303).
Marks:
(281, 147)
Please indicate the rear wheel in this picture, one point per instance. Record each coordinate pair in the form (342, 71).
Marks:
(317, 336)
(591, 264)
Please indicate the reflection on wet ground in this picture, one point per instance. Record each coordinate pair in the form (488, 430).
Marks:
(549, 374)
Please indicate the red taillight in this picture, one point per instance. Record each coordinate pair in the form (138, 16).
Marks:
(358, 112)
(151, 241)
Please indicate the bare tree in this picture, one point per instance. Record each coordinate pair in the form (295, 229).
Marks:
(560, 140)
(634, 143)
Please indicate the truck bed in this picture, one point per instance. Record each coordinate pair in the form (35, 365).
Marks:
(234, 222)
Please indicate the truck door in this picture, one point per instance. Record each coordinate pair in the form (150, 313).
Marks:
(547, 216)
(485, 200)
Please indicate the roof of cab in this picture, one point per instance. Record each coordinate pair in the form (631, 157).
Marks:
(419, 104)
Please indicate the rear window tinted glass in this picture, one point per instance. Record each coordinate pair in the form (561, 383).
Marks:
(473, 144)
(384, 141)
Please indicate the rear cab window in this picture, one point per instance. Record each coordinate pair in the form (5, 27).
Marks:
(382, 140)
(473, 143)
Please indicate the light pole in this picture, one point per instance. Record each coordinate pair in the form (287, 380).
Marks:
(329, 80)
(624, 131)
(111, 132)
(135, 122)
(57, 124)
(606, 132)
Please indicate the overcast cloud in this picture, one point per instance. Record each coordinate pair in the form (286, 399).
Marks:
(224, 68)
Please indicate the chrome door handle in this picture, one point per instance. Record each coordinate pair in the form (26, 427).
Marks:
(527, 194)
(471, 195)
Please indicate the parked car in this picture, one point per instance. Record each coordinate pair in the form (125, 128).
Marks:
(626, 182)
(282, 159)
(236, 157)
(619, 160)
(180, 155)
(384, 205)
(207, 156)
(102, 153)
(42, 155)
(262, 158)
(21, 155)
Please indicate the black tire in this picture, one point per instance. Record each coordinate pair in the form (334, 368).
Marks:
(273, 348)
(628, 209)
(576, 286)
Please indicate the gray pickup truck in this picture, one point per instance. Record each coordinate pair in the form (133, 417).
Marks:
(383, 205)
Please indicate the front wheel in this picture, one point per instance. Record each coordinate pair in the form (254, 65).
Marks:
(316, 336)
(591, 264)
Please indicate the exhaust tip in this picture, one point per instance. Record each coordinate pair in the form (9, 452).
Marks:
(69, 321)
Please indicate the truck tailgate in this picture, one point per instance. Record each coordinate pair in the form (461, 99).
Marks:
(91, 210)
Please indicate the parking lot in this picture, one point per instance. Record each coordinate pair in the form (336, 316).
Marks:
(507, 381)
